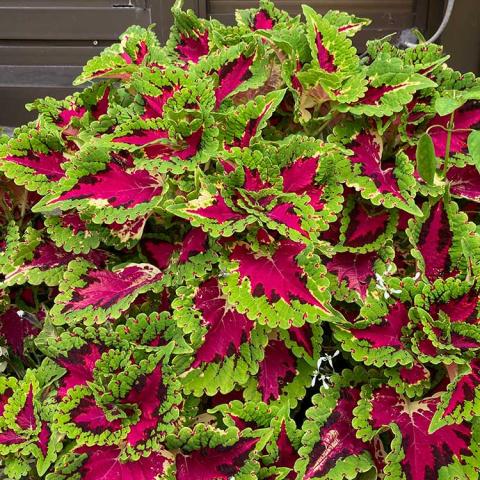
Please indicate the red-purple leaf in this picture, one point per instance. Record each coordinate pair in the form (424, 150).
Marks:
(464, 182)
(48, 164)
(285, 214)
(263, 21)
(142, 137)
(325, 59)
(4, 399)
(287, 454)
(44, 438)
(184, 150)
(101, 107)
(277, 276)
(388, 332)
(367, 152)
(104, 288)
(114, 187)
(74, 222)
(9, 437)
(425, 453)
(337, 436)
(66, 115)
(303, 337)
(231, 76)
(79, 365)
(414, 374)
(373, 95)
(103, 463)
(91, 418)
(194, 243)
(47, 256)
(279, 367)
(364, 226)
(465, 119)
(461, 309)
(218, 211)
(355, 268)
(160, 253)
(147, 394)
(227, 329)
(251, 129)
(299, 178)
(434, 242)
(141, 52)
(25, 418)
(465, 389)
(219, 463)
(15, 330)
(154, 104)
(193, 47)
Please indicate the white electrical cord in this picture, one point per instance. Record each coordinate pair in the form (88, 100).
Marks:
(441, 28)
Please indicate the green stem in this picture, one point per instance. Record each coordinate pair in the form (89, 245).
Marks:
(450, 126)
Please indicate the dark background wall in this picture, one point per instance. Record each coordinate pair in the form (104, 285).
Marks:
(44, 43)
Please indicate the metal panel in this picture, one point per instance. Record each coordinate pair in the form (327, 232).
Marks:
(392, 16)
(44, 43)
(66, 23)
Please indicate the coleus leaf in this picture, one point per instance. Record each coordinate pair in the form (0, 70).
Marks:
(275, 286)
(390, 86)
(281, 377)
(34, 160)
(189, 37)
(213, 214)
(347, 24)
(330, 448)
(391, 186)
(365, 228)
(48, 263)
(452, 298)
(277, 368)
(109, 462)
(249, 120)
(460, 401)
(265, 17)
(437, 240)
(335, 66)
(416, 453)
(355, 269)
(97, 295)
(219, 463)
(464, 182)
(464, 119)
(113, 194)
(184, 260)
(71, 232)
(19, 424)
(382, 342)
(426, 161)
(15, 329)
(234, 70)
(79, 365)
(138, 46)
(412, 380)
(228, 344)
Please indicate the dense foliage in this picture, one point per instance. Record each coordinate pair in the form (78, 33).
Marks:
(251, 253)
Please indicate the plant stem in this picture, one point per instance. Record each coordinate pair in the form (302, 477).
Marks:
(448, 145)
(450, 126)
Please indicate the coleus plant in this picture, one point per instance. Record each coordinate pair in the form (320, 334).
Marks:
(251, 253)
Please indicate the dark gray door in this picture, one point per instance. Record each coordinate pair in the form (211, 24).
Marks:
(44, 43)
